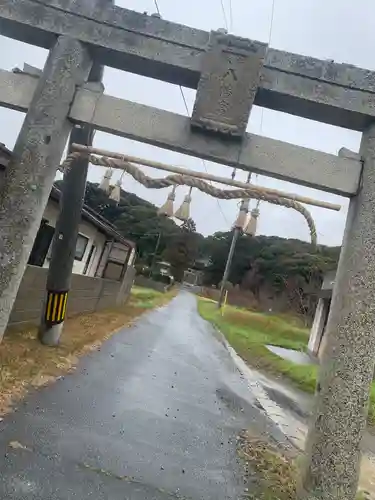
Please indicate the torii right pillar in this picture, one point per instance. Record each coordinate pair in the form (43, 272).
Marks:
(333, 448)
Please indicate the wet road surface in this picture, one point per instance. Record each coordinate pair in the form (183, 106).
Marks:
(153, 415)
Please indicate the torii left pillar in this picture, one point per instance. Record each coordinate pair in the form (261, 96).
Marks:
(30, 175)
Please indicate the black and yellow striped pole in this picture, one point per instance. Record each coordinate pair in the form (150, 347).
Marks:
(55, 307)
(67, 226)
(64, 245)
(65, 238)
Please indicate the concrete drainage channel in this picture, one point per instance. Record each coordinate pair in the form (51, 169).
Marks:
(292, 428)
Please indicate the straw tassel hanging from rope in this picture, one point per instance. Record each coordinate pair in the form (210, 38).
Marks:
(183, 213)
(116, 191)
(242, 215)
(167, 208)
(105, 182)
(251, 228)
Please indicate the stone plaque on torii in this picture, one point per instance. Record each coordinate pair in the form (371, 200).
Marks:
(230, 74)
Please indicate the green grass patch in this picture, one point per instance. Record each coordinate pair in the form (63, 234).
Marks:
(249, 332)
(146, 298)
(145, 293)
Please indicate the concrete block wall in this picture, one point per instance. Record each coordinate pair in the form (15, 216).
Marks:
(126, 285)
(87, 294)
(84, 294)
(108, 294)
(29, 302)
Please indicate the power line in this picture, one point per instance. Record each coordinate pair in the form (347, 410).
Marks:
(218, 203)
(202, 160)
(230, 16)
(184, 99)
(234, 171)
(157, 7)
(224, 15)
(271, 23)
(269, 43)
(188, 113)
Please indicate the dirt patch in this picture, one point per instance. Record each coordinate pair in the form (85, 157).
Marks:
(367, 478)
(271, 471)
(25, 363)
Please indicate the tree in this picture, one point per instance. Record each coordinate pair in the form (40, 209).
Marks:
(134, 218)
(182, 250)
(189, 226)
(289, 268)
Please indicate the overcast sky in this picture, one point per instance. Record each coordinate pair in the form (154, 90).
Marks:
(334, 29)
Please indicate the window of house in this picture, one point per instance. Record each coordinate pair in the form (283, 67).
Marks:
(89, 259)
(113, 271)
(82, 242)
(81, 245)
(41, 244)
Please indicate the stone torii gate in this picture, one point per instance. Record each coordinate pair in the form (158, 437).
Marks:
(230, 75)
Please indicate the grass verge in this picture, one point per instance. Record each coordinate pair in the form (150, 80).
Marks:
(249, 333)
(25, 363)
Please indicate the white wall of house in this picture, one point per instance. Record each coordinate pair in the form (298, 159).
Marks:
(86, 229)
(317, 332)
(131, 257)
(99, 242)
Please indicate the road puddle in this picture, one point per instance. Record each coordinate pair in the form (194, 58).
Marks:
(298, 357)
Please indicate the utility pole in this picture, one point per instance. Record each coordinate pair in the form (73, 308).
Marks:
(155, 252)
(333, 453)
(66, 233)
(31, 172)
(236, 234)
(237, 231)
(64, 243)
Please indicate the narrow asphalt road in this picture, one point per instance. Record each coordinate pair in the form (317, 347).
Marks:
(153, 415)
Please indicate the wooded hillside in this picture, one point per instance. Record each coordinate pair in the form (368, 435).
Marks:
(274, 273)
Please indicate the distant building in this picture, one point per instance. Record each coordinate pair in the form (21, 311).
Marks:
(163, 268)
(194, 275)
(317, 340)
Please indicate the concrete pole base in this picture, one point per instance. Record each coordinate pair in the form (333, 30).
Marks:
(50, 335)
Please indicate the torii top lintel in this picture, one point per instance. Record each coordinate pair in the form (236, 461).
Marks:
(337, 94)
